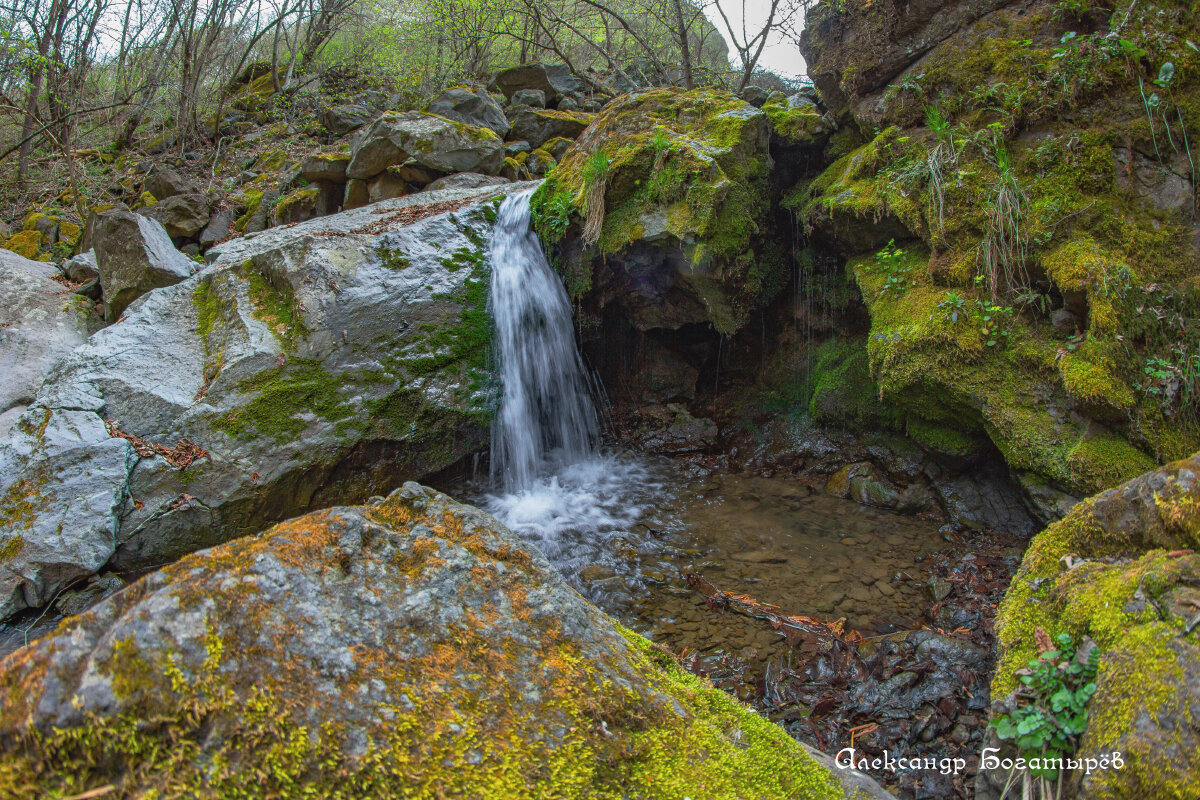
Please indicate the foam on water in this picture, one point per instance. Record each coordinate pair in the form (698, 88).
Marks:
(572, 514)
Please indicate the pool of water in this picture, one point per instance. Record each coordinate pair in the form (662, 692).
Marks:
(625, 529)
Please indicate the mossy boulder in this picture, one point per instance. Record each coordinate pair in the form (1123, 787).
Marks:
(797, 121)
(471, 106)
(325, 167)
(671, 185)
(409, 648)
(539, 125)
(298, 206)
(1121, 568)
(306, 366)
(434, 142)
(27, 244)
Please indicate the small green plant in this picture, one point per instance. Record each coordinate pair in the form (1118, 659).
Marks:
(892, 260)
(994, 322)
(1174, 382)
(1160, 107)
(953, 308)
(890, 254)
(1052, 711)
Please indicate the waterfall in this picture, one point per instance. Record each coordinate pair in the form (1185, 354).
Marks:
(547, 420)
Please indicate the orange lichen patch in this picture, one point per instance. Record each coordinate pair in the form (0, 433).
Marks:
(288, 697)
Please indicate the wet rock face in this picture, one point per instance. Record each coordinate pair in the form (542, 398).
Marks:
(309, 365)
(40, 321)
(366, 651)
(1121, 569)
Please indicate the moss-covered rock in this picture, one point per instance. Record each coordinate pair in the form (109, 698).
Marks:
(27, 244)
(298, 206)
(1121, 568)
(684, 173)
(413, 648)
(796, 120)
(1015, 212)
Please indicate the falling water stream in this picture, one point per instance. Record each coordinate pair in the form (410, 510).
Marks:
(623, 527)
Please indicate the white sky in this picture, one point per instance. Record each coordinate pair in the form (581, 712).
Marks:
(779, 55)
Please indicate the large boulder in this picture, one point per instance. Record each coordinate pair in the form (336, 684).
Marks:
(657, 210)
(340, 120)
(1121, 569)
(325, 167)
(165, 182)
(40, 321)
(307, 366)
(554, 80)
(182, 215)
(472, 107)
(540, 125)
(414, 647)
(432, 141)
(134, 255)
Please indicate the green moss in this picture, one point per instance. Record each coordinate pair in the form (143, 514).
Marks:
(253, 201)
(11, 547)
(467, 342)
(285, 394)
(271, 161)
(1101, 460)
(19, 507)
(1119, 596)
(794, 125)
(275, 304)
(684, 166)
(208, 308)
(27, 244)
(943, 439)
(391, 259)
(1094, 384)
(843, 391)
(291, 207)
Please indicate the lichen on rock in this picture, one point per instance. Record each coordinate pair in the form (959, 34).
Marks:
(411, 648)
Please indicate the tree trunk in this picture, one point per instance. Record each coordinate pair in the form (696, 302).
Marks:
(684, 52)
